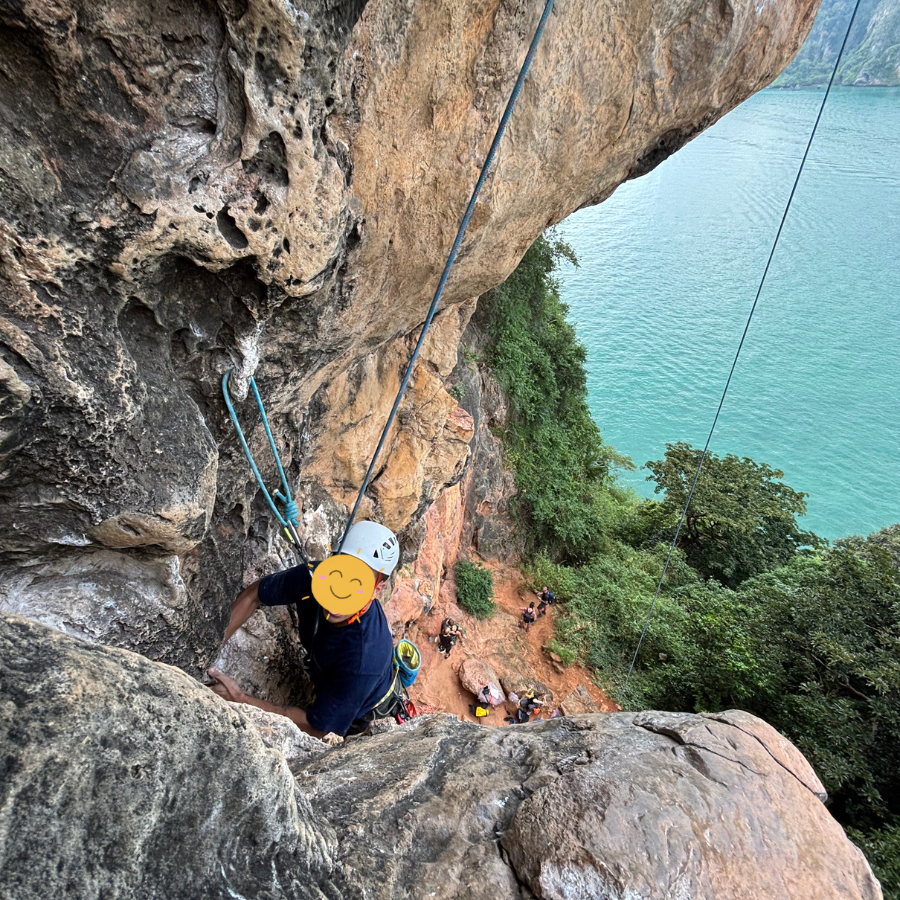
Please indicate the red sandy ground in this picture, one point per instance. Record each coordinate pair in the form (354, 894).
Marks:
(437, 688)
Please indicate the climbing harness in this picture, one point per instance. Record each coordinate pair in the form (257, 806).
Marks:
(290, 520)
(762, 281)
(501, 128)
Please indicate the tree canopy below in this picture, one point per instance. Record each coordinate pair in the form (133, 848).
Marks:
(754, 613)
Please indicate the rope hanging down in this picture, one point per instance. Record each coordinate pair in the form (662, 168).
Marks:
(291, 518)
(510, 106)
(837, 62)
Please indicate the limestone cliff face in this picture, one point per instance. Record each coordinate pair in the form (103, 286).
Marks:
(272, 187)
(123, 778)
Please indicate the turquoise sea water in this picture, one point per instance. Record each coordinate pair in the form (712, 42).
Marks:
(669, 267)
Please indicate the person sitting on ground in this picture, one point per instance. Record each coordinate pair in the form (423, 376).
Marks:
(450, 634)
(530, 704)
(548, 598)
(349, 653)
(528, 616)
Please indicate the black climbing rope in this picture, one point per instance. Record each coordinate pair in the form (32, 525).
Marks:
(501, 128)
(812, 135)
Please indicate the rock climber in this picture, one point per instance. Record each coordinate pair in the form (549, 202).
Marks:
(547, 598)
(343, 629)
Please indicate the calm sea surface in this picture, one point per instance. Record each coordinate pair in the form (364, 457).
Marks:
(669, 268)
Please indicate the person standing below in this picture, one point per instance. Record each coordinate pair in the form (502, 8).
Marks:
(547, 598)
(450, 634)
(528, 616)
(343, 629)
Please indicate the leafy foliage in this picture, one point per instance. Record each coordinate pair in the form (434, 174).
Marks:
(753, 613)
(742, 520)
(551, 443)
(475, 589)
(812, 647)
(882, 848)
(829, 630)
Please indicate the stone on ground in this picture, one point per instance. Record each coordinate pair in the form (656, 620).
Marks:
(578, 702)
(474, 674)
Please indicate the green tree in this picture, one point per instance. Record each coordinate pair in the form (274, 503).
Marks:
(829, 629)
(551, 442)
(742, 520)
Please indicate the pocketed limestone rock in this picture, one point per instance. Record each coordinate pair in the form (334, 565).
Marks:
(272, 189)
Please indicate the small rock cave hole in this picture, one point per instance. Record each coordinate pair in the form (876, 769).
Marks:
(230, 231)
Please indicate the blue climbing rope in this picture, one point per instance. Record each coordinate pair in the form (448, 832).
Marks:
(290, 520)
(762, 281)
(501, 128)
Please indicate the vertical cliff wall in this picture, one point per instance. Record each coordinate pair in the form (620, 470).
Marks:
(271, 188)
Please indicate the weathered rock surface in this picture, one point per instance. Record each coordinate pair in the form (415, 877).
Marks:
(578, 703)
(714, 812)
(648, 807)
(475, 674)
(281, 734)
(516, 676)
(272, 188)
(124, 778)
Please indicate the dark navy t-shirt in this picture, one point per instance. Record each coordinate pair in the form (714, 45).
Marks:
(351, 666)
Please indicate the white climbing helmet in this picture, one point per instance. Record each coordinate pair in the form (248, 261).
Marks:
(374, 544)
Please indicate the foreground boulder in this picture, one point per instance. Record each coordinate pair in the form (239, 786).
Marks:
(123, 778)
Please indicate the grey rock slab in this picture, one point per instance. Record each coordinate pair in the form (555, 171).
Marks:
(594, 806)
(578, 702)
(680, 806)
(122, 778)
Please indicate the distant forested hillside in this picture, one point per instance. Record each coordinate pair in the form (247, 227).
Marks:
(872, 56)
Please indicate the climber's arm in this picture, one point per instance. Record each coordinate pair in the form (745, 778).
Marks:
(227, 688)
(246, 603)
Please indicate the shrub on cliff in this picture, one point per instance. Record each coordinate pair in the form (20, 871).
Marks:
(812, 647)
(474, 589)
(551, 443)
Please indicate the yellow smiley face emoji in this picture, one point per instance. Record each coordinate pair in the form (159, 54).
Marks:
(343, 584)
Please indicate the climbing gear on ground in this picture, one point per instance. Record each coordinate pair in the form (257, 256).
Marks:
(457, 243)
(374, 544)
(407, 660)
(290, 520)
(762, 282)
